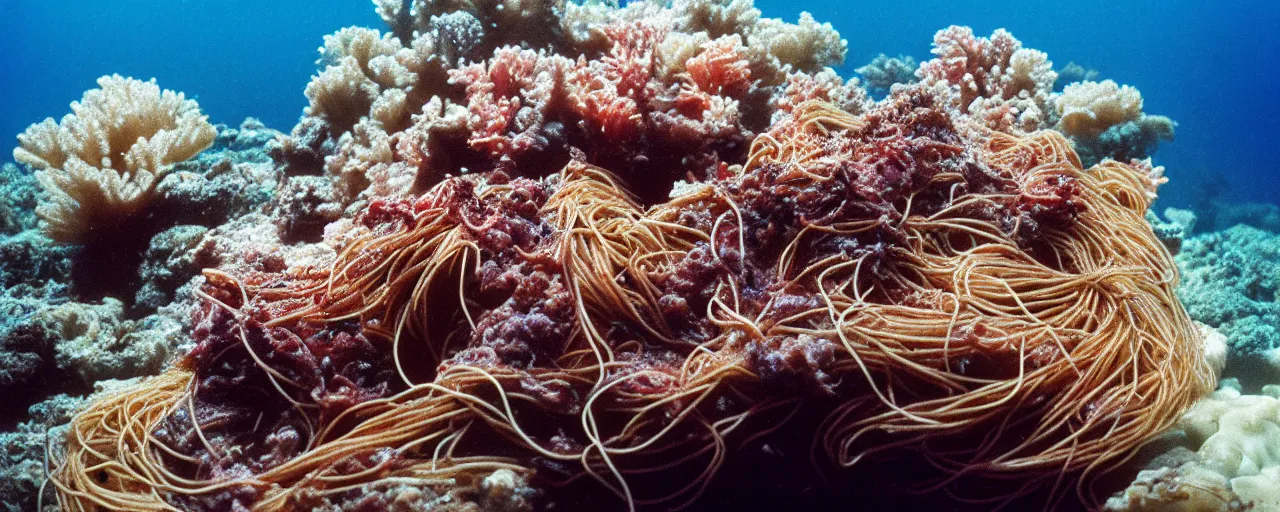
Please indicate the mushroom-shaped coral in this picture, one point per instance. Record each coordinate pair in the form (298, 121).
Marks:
(1086, 109)
(1106, 121)
(101, 163)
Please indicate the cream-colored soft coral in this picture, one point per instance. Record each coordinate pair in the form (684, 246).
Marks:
(100, 164)
(341, 95)
(783, 47)
(715, 17)
(534, 22)
(1087, 109)
(1105, 120)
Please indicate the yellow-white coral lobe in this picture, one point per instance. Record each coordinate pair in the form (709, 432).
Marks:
(1089, 108)
(100, 164)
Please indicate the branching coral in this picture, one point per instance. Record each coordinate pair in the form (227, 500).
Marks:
(994, 79)
(101, 163)
(651, 91)
(1004, 87)
(984, 304)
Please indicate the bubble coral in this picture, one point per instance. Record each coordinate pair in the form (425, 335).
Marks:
(983, 303)
(100, 164)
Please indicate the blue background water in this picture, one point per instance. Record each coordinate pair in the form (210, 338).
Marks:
(1212, 66)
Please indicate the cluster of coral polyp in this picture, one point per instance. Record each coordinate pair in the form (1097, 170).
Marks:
(980, 302)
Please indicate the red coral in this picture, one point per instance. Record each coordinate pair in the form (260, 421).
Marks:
(722, 67)
(387, 211)
(968, 61)
(608, 93)
(508, 100)
(629, 64)
(603, 111)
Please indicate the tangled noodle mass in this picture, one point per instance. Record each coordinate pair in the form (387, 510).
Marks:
(981, 302)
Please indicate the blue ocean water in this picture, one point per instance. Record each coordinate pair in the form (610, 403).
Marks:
(1211, 66)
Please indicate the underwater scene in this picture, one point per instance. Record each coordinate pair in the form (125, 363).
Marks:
(564, 255)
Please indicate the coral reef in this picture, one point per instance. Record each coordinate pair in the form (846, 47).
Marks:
(168, 264)
(23, 455)
(99, 343)
(1221, 455)
(1176, 226)
(653, 92)
(1224, 457)
(568, 324)
(233, 177)
(18, 204)
(1008, 88)
(535, 254)
(27, 366)
(60, 335)
(26, 451)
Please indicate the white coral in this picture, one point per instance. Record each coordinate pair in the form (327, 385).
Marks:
(96, 341)
(1089, 108)
(804, 46)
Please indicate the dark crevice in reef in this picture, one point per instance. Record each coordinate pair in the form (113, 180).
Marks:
(781, 471)
(29, 350)
(108, 266)
(109, 261)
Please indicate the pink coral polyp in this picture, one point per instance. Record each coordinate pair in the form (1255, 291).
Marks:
(721, 68)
